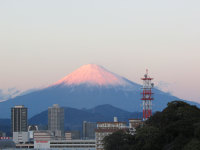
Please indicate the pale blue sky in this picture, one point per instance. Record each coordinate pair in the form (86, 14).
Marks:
(43, 40)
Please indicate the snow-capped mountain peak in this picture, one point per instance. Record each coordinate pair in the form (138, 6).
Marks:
(94, 75)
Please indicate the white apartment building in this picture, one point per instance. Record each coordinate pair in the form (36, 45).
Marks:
(105, 129)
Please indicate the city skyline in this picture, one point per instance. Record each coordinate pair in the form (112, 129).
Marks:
(43, 41)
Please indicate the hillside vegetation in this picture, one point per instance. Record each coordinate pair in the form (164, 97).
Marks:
(177, 127)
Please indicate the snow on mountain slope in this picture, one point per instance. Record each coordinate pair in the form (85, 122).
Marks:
(93, 74)
(87, 87)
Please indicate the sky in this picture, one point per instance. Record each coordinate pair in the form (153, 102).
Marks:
(41, 41)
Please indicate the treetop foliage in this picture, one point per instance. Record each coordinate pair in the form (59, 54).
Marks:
(177, 127)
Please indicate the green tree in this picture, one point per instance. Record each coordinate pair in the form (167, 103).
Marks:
(148, 138)
(119, 140)
(177, 127)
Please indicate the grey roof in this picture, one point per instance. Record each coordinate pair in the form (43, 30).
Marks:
(7, 144)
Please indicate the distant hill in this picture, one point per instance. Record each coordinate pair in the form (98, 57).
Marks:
(75, 117)
(5, 126)
(89, 86)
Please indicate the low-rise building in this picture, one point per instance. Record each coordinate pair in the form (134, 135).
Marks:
(72, 135)
(60, 144)
(24, 145)
(105, 129)
(133, 124)
(73, 144)
(68, 135)
(20, 137)
(42, 139)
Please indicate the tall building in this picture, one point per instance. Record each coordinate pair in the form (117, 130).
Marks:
(56, 120)
(19, 124)
(19, 119)
(89, 130)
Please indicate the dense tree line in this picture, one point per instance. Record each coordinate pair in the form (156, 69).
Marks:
(177, 127)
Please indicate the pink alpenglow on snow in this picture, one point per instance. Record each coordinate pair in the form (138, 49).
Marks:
(94, 75)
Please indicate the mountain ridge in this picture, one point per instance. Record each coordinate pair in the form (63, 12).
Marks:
(84, 95)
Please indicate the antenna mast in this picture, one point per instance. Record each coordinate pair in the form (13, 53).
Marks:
(147, 96)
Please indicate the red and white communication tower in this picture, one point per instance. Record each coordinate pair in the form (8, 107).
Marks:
(147, 96)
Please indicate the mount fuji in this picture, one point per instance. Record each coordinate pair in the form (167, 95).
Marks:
(89, 86)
